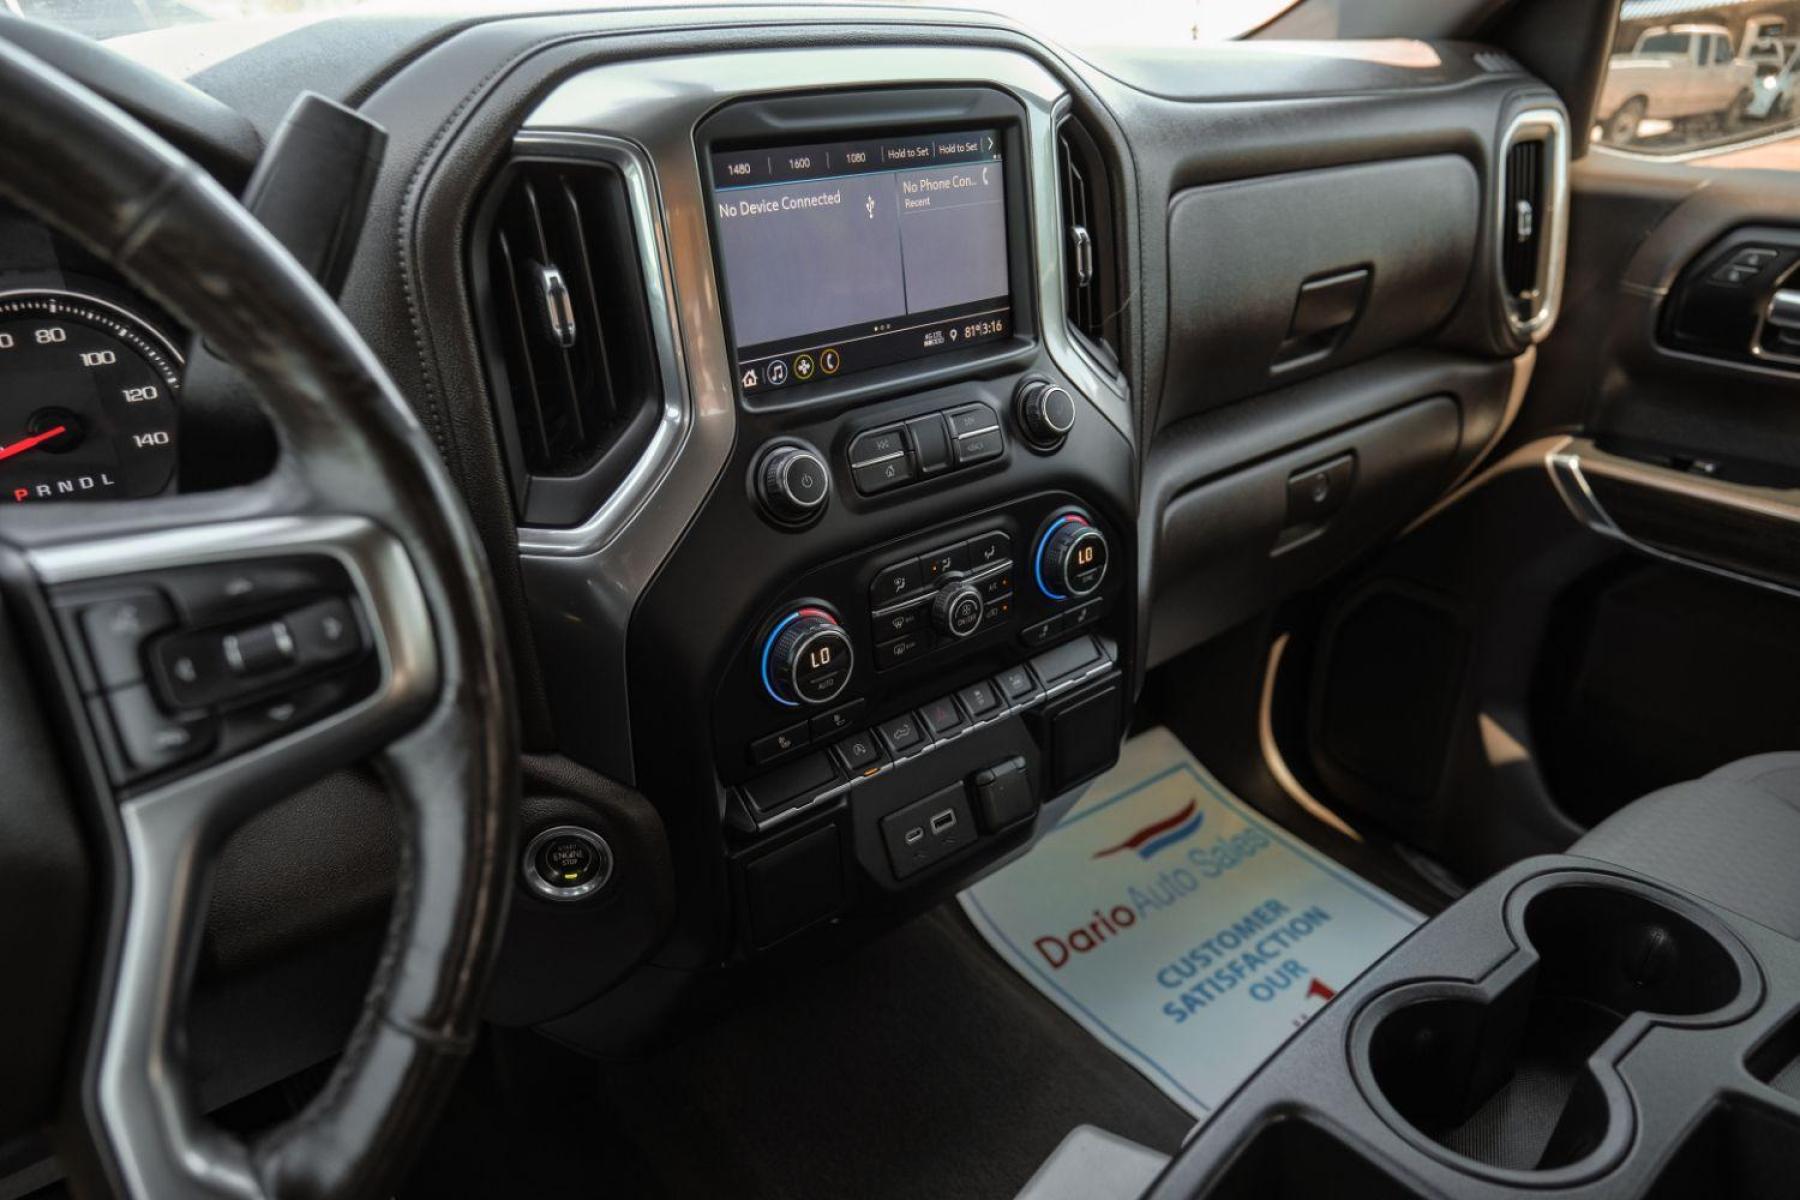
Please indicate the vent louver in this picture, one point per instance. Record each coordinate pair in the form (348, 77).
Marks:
(1090, 267)
(1532, 224)
(1524, 200)
(570, 351)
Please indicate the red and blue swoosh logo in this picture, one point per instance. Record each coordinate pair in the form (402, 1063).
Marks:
(1160, 835)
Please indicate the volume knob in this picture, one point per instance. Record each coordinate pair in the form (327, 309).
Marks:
(793, 484)
(1046, 414)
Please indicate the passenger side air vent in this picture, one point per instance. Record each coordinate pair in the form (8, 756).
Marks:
(1090, 254)
(560, 295)
(1533, 221)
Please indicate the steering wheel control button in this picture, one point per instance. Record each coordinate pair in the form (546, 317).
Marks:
(793, 484)
(150, 739)
(259, 649)
(807, 658)
(115, 632)
(1046, 414)
(1071, 558)
(326, 632)
(568, 862)
(942, 717)
(778, 745)
(958, 610)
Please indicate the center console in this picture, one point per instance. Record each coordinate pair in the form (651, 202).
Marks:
(1567, 1028)
(896, 635)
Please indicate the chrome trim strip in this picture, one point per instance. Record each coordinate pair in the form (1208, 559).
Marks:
(659, 458)
(1570, 460)
(1553, 248)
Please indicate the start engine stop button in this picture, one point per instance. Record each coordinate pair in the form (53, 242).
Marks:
(567, 863)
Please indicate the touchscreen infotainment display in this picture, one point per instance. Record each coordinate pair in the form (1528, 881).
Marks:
(842, 256)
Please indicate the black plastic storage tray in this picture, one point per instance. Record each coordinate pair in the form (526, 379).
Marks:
(1566, 1028)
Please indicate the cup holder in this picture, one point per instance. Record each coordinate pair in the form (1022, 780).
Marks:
(1512, 1077)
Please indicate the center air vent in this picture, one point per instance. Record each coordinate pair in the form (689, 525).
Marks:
(560, 295)
(1533, 221)
(1090, 264)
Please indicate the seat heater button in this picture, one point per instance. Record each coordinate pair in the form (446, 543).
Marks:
(780, 744)
(116, 630)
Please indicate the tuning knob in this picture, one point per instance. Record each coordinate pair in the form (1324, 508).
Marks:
(957, 610)
(807, 658)
(1046, 413)
(793, 483)
(1071, 558)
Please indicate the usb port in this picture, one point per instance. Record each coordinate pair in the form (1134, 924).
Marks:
(915, 835)
(944, 821)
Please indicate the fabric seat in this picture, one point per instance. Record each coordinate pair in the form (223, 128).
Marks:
(1731, 837)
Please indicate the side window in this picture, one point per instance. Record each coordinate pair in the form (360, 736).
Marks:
(1701, 81)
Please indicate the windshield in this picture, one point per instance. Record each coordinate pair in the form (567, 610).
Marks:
(1156, 22)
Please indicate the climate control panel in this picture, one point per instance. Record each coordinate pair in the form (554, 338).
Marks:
(880, 633)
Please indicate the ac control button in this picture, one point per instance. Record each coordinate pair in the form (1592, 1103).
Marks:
(958, 610)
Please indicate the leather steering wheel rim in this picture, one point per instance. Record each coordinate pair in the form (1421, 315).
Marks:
(358, 480)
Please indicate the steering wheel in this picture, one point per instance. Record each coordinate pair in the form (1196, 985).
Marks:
(360, 506)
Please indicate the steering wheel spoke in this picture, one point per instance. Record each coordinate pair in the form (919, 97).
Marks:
(221, 666)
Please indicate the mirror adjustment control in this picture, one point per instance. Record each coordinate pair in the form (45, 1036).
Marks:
(1046, 413)
(1071, 558)
(958, 610)
(793, 483)
(807, 658)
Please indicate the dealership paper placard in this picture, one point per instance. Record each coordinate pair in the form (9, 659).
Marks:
(1186, 932)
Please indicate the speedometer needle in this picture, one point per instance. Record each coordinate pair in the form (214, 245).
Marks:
(36, 439)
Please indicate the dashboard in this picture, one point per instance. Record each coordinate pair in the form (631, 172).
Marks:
(855, 406)
(90, 377)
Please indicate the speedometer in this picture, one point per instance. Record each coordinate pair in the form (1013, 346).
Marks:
(87, 400)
